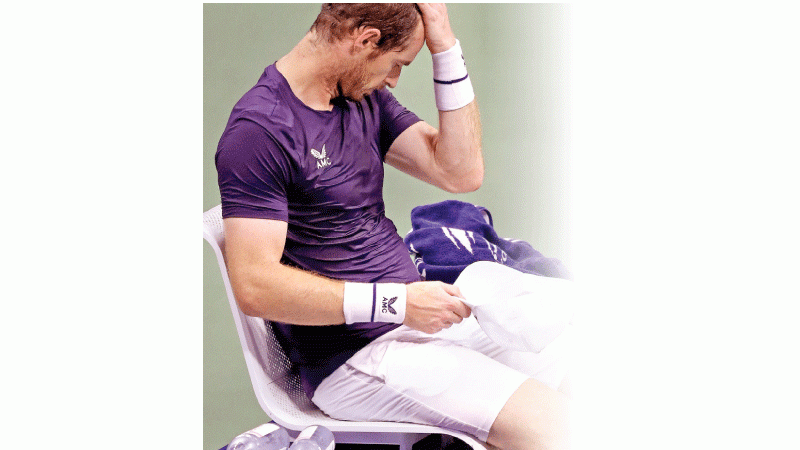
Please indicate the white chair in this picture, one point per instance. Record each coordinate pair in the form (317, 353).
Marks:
(277, 387)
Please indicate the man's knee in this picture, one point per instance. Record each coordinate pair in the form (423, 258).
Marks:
(535, 417)
(566, 386)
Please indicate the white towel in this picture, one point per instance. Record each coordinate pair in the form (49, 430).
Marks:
(517, 310)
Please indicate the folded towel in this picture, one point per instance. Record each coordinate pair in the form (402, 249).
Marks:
(448, 236)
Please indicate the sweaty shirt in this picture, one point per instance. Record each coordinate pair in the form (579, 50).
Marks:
(322, 173)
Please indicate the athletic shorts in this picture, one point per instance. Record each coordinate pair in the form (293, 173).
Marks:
(457, 379)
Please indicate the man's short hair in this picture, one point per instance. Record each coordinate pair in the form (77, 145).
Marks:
(395, 21)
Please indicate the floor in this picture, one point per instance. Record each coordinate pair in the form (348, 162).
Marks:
(432, 442)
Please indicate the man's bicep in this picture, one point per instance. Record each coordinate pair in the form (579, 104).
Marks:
(253, 249)
(253, 241)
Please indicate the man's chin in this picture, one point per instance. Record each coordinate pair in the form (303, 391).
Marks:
(357, 97)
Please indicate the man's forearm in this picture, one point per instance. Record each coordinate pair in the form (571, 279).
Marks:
(457, 144)
(285, 294)
(289, 295)
(458, 147)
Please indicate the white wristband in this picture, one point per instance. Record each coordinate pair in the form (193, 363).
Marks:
(451, 84)
(374, 302)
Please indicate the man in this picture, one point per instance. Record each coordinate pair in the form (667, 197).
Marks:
(310, 249)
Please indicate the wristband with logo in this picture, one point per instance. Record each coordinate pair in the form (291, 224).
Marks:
(374, 302)
(451, 84)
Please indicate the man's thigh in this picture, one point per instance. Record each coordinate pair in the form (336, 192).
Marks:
(458, 379)
(451, 387)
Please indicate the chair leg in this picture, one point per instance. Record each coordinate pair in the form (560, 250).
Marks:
(409, 439)
(403, 440)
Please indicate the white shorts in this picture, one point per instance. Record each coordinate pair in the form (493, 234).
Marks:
(457, 379)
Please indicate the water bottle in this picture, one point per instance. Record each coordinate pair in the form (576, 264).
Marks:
(263, 437)
(314, 438)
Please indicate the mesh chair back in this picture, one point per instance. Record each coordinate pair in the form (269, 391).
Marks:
(276, 384)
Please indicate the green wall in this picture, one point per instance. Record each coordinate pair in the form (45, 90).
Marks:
(518, 59)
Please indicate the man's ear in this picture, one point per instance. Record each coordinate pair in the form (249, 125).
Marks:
(366, 38)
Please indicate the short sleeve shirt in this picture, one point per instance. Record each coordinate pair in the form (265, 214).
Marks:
(322, 173)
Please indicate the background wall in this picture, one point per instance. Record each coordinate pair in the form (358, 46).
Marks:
(517, 56)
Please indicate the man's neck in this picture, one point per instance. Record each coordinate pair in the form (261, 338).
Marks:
(312, 69)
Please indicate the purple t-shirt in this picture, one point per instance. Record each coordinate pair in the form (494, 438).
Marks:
(322, 173)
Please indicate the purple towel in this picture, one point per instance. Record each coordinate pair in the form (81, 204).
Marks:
(446, 237)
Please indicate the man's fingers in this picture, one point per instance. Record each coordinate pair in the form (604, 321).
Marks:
(425, 8)
(428, 8)
(455, 318)
(438, 34)
(462, 310)
(459, 308)
(452, 290)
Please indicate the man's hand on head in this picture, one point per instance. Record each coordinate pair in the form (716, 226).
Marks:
(438, 35)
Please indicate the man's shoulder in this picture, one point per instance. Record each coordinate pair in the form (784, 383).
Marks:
(265, 104)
